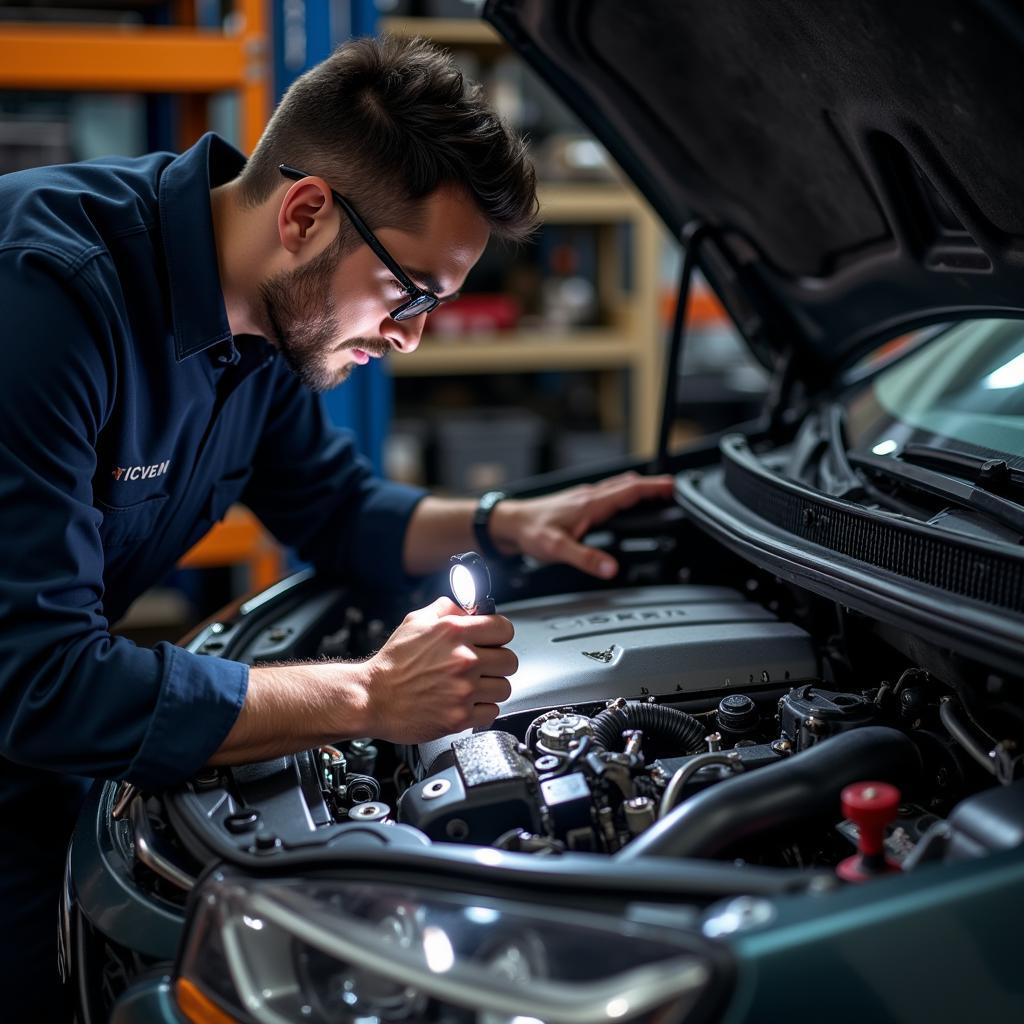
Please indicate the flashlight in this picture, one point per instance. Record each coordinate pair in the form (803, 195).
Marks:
(471, 583)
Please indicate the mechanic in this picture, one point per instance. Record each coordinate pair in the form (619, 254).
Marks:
(167, 323)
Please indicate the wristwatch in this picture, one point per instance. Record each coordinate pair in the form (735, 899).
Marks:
(481, 518)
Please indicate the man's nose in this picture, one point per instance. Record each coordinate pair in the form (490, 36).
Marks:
(404, 335)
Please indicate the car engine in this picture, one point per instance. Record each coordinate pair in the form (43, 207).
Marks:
(703, 719)
(673, 720)
(593, 771)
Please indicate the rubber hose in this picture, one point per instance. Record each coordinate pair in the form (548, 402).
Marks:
(805, 785)
(670, 726)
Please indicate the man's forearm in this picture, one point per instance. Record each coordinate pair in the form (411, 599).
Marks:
(290, 708)
(442, 527)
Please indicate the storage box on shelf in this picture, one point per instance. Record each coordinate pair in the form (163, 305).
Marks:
(487, 449)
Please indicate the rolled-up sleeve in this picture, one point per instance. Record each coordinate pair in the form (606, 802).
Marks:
(74, 698)
(315, 492)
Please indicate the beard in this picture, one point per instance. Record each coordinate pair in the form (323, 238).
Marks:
(300, 317)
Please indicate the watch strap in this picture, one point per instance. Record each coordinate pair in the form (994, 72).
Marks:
(481, 521)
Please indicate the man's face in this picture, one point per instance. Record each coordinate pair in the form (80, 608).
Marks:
(330, 316)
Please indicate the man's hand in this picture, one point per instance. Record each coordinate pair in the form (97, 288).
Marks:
(440, 672)
(547, 528)
(550, 528)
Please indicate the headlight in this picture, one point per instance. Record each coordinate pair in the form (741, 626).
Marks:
(270, 951)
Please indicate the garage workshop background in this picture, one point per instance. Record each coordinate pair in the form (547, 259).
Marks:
(553, 357)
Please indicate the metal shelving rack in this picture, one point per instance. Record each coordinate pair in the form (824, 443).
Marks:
(174, 59)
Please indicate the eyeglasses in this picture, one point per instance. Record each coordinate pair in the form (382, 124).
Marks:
(420, 300)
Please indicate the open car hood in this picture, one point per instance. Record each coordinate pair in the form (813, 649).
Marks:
(860, 165)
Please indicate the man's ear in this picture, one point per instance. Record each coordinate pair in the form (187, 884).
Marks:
(305, 214)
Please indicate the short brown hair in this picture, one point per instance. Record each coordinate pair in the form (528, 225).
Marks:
(389, 121)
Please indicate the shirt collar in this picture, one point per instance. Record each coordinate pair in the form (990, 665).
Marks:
(198, 315)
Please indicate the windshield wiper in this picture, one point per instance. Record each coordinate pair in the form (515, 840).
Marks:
(841, 480)
(994, 475)
(965, 493)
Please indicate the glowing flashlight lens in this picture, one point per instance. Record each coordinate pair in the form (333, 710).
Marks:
(463, 586)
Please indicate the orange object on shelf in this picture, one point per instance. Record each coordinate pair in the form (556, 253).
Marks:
(239, 539)
(702, 307)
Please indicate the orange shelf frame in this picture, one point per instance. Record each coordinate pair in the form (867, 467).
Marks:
(147, 59)
(137, 59)
(239, 539)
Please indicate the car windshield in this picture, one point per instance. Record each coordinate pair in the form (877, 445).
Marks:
(964, 391)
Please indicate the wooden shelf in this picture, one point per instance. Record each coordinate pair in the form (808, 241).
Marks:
(517, 351)
(444, 31)
(587, 202)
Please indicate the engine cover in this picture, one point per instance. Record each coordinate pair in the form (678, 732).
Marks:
(666, 640)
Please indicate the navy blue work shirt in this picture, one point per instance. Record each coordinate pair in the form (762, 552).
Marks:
(130, 419)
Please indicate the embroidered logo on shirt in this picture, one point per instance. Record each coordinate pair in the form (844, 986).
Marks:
(140, 472)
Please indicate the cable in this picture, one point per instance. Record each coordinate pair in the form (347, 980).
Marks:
(956, 729)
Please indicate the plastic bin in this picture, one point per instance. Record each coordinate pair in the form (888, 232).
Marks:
(578, 449)
(405, 451)
(488, 449)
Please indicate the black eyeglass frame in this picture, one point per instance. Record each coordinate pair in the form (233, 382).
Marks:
(420, 300)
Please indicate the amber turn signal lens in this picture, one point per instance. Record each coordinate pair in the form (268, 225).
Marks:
(197, 1006)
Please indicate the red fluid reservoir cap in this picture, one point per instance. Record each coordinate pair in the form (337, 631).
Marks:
(871, 806)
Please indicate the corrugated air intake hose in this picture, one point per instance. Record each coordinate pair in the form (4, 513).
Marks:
(662, 726)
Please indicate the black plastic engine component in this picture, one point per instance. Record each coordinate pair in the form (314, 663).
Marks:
(804, 785)
(737, 715)
(361, 788)
(285, 791)
(491, 789)
(361, 755)
(754, 757)
(985, 823)
(902, 835)
(808, 715)
(663, 727)
(569, 801)
(992, 820)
